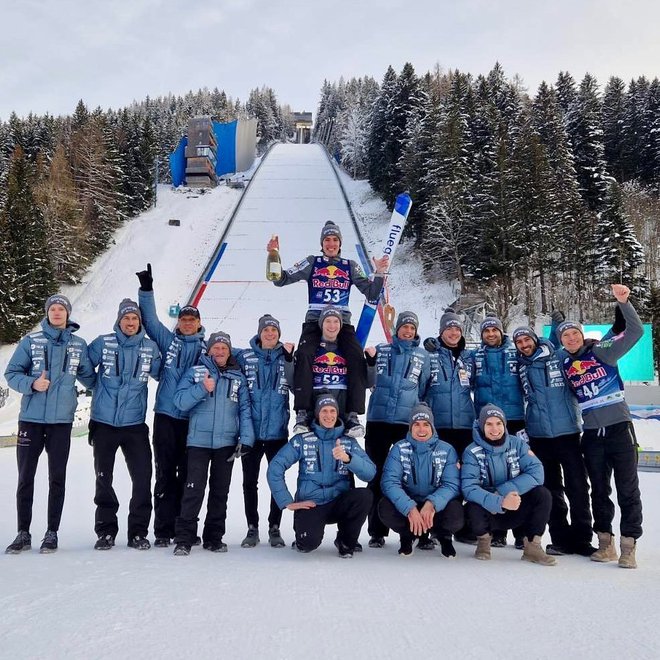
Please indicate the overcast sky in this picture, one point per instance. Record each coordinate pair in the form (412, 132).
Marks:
(113, 51)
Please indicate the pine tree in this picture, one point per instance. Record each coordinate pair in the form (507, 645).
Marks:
(613, 116)
(583, 122)
(378, 147)
(27, 240)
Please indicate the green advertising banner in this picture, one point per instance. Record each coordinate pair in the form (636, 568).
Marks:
(637, 364)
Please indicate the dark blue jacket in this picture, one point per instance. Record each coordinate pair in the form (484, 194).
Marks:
(269, 378)
(551, 408)
(321, 478)
(222, 417)
(179, 353)
(403, 370)
(418, 471)
(449, 394)
(124, 366)
(489, 473)
(64, 358)
(495, 379)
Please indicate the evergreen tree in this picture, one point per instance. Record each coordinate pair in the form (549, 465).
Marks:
(613, 116)
(379, 146)
(583, 122)
(26, 229)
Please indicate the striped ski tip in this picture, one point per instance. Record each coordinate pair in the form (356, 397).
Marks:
(403, 204)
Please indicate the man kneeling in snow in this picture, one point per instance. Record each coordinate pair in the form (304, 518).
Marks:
(327, 457)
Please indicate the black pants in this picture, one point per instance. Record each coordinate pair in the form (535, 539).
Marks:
(203, 465)
(378, 439)
(445, 522)
(349, 511)
(531, 517)
(459, 439)
(169, 441)
(564, 470)
(33, 438)
(615, 451)
(351, 351)
(251, 464)
(134, 443)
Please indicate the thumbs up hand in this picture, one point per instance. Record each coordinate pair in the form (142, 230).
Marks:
(209, 383)
(339, 453)
(41, 384)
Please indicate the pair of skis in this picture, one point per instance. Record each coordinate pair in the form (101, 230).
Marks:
(402, 207)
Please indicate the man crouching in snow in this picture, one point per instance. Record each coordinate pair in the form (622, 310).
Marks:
(502, 482)
(324, 496)
(421, 486)
(216, 394)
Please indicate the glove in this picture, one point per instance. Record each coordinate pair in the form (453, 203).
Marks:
(557, 316)
(146, 279)
(371, 361)
(241, 450)
(430, 344)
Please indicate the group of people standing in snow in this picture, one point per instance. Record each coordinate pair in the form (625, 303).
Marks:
(459, 444)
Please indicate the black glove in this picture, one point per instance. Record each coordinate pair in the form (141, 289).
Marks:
(619, 321)
(557, 316)
(430, 344)
(371, 359)
(288, 355)
(146, 279)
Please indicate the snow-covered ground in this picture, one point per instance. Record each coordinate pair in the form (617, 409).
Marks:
(79, 603)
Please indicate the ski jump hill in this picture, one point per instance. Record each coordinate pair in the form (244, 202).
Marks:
(276, 603)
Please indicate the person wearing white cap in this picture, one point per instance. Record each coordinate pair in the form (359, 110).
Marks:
(44, 369)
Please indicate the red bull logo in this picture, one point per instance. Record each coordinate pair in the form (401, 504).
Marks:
(331, 359)
(580, 367)
(331, 277)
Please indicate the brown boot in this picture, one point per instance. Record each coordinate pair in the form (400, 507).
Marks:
(535, 553)
(627, 558)
(606, 550)
(483, 547)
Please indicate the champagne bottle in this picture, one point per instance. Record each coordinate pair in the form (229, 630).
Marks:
(273, 263)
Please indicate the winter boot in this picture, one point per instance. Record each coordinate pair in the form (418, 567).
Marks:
(376, 541)
(499, 539)
(627, 558)
(425, 542)
(353, 426)
(23, 541)
(447, 547)
(104, 542)
(139, 543)
(49, 543)
(482, 550)
(215, 546)
(345, 552)
(535, 553)
(161, 542)
(182, 549)
(252, 537)
(606, 550)
(275, 538)
(406, 547)
(302, 425)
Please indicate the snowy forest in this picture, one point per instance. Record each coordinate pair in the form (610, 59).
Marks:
(67, 183)
(533, 202)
